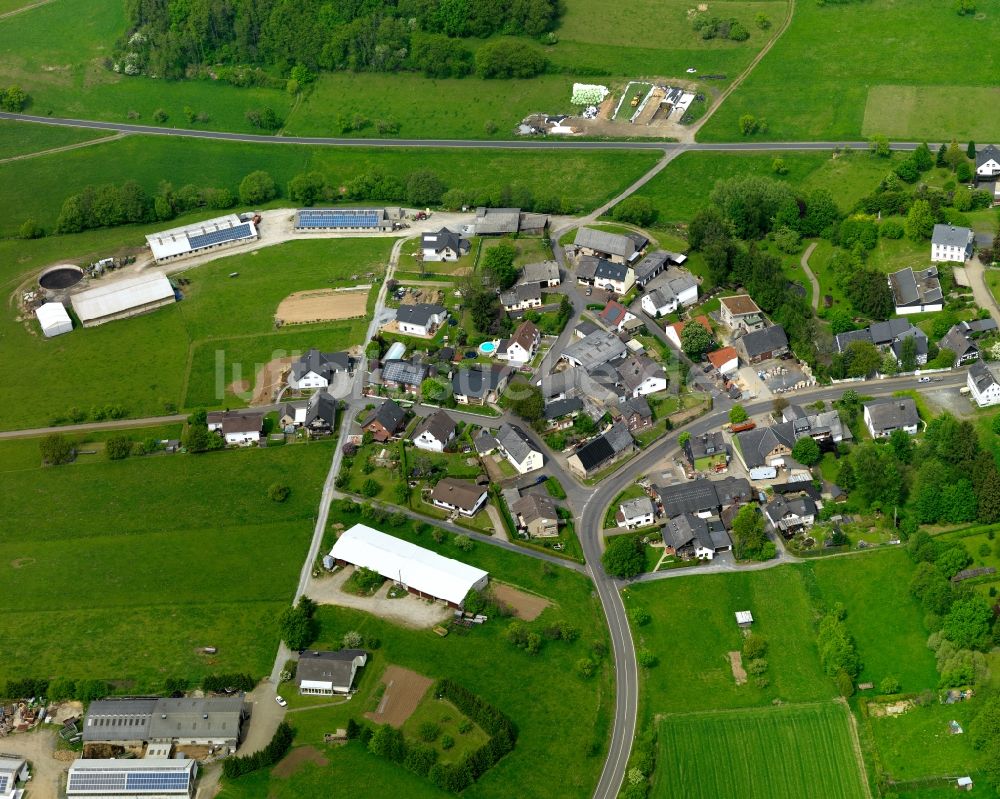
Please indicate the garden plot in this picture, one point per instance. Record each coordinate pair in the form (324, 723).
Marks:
(404, 689)
(322, 305)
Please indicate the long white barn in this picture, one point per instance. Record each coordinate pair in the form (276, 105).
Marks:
(223, 231)
(419, 570)
(120, 299)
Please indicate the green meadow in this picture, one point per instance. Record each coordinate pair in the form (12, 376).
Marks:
(22, 138)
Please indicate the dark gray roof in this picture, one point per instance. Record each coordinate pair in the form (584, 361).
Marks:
(768, 339)
(696, 496)
(160, 718)
(885, 332)
(485, 442)
(334, 667)
(911, 287)
(535, 506)
(799, 487)
(606, 270)
(619, 437)
(780, 507)
(978, 326)
(845, 338)
(633, 371)
(596, 349)
(321, 407)
(497, 220)
(892, 413)
(958, 341)
(987, 153)
(559, 408)
(711, 443)
(586, 267)
(650, 266)
(419, 313)
(404, 372)
(521, 293)
(478, 382)
(603, 241)
(615, 440)
(585, 328)
(951, 236)
(686, 529)
(757, 443)
(388, 414)
(443, 239)
(982, 376)
(322, 363)
(540, 271)
(637, 405)
(439, 424)
(514, 441)
(731, 490)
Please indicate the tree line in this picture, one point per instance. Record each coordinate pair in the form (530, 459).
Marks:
(178, 38)
(277, 748)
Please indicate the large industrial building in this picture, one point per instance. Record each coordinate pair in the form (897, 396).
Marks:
(121, 299)
(154, 778)
(212, 234)
(419, 570)
(317, 220)
(209, 721)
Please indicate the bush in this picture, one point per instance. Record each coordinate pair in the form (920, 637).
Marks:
(636, 210)
(257, 187)
(503, 58)
(757, 667)
(217, 683)
(13, 99)
(297, 627)
(353, 639)
(233, 767)
(845, 684)
(646, 658)
(118, 448)
(160, 116)
(278, 492)
(624, 557)
(889, 685)
(56, 449)
(463, 543)
(447, 742)
(428, 732)
(640, 617)
(754, 646)
(891, 229)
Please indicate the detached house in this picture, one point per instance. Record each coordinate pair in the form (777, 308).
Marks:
(983, 385)
(988, 162)
(536, 514)
(740, 313)
(435, 432)
(602, 451)
(521, 347)
(707, 452)
(328, 673)
(882, 417)
(726, 360)
(479, 386)
(616, 247)
(916, 291)
(888, 336)
(316, 369)
(614, 277)
(636, 513)
(444, 245)
(615, 315)
(404, 375)
(460, 496)
(787, 516)
(762, 344)
(321, 414)
(640, 375)
(519, 450)
(950, 243)
(690, 536)
(636, 414)
(544, 274)
(237, 428)
(384, 422)
(959, 342)
(560, 413)
(420, 319)
(522, 297)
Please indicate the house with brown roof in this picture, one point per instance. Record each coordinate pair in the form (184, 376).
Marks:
(725, 360)
(434, 432)
(521, 347)
(239, 429)
(740, 313)
(536, 514)
(461, 496)
(384, 422)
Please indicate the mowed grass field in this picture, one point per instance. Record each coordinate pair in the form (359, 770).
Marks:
(185, 353)
(562, 719)
(20, 138)
(121, 570)
(778, 753)
(822, 78)
(683, 187)
(37, 187)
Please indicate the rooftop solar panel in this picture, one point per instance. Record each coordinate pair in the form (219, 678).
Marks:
(157, 781)
(219, 236)
(97, 781)
(334, 219)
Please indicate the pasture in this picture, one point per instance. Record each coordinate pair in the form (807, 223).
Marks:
(822, 79)
(38, 187)
(222, 324)
(533, 690)
(132, 565)
(19, 138)
(779, 753)
(924, 112)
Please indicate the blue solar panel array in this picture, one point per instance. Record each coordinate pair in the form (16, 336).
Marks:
(138, 781)
(335, 219)
(219, 236)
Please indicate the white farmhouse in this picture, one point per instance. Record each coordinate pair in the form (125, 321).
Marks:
(443, 245)
(988, 162)
(882, 417)
(434, 432)
(420, 319)
(983, 386)
(518, 448)
(950, 243)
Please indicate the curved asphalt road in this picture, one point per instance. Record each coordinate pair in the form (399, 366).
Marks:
(513, 144)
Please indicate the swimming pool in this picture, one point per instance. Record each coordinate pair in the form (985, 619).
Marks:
(488, 347)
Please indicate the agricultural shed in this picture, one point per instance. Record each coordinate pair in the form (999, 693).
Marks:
(121, 299)
(223, 231)
(151, 777)
(419, 570)
(12, 771)
(53, 318)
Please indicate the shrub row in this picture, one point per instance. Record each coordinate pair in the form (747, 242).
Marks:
(238, 766)
(217, 683)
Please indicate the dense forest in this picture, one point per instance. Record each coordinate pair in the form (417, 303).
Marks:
(177, 38)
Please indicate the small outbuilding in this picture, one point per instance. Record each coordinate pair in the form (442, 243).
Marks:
(53, 318)
(744, 618)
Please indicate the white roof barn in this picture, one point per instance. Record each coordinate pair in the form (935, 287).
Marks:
(152, 777)
(419, 570)
(53, 318)
(190, 239)
(121, 299)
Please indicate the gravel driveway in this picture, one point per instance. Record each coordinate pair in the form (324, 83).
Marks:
(47, 772)
(409, 611)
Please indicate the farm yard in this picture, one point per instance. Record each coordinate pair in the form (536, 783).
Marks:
(153, 557)
(780, 753)
(547, 686)
(883, 62)
(204, 349)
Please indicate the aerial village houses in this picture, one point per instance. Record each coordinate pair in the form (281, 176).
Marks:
(950, 243)
(519, 450)
(544, 274)
(316, 369)
(559, 414)
(12, 771)
(602, 451)
(725, 360)
(988, 162)
(984, 388)
(328, 673)
(690, 536)
(239, 429)
(536, 515)
(916, 291)
(741, 314)
(420, 319)
(479, 385)
(635, 513)
(673, 332)
(787, 516)
(763, 344)
(420, 571)
(404, 375)
(443, 245)
(882, 417)
(461, 496)
(595, 350)
(614, 315)
(434, 432)
(641, 376)
(887, 336)
(521, 347)
(384, 422)
(521, 297)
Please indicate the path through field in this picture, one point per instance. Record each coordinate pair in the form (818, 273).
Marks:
(809, 274)
(64, 148)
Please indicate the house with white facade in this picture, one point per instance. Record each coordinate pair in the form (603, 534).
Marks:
(988, 162)
(614, 316)
(521, 347)
(884, 416)
(519, 450)
(443, 245)
(238, 429)
(328, 673)
(434, 432)
(984, 388)
(461, 496)
(614, 277)
(640, 375)
(544, 274)
(950, 243)
(636, 513)
(916, 291)
(521, 297)
(420, 319)
(316, 369)
(740, 313)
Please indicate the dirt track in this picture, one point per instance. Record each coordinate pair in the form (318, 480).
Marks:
(321, 305)
(403, 691)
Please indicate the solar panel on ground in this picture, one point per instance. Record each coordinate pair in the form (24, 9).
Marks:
(335, 219)
(219, 236)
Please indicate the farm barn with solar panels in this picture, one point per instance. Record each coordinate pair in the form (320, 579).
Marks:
(314, 220)
(181, 242)
(152, 777)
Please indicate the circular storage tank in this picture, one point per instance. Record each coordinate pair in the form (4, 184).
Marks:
(60, 278)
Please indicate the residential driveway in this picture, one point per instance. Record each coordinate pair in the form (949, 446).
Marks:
(410, 611)
(47, 772)
(984, 297)
(265, 716)
(342, 385)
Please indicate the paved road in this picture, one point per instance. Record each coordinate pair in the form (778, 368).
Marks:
(809, 274)
(515, 144)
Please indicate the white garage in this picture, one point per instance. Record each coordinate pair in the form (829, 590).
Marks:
(53, 318)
